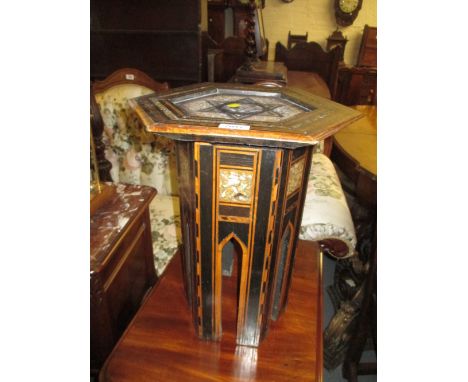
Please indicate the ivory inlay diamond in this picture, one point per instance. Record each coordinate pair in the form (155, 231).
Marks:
(295, 176)
(235, 185)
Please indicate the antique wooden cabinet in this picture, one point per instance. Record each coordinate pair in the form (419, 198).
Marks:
(122, 265)
(368, 50)
(161, 38)
(244, 155)
(227, 18)
(356, 86)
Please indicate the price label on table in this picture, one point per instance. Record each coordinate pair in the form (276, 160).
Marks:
(233, 126)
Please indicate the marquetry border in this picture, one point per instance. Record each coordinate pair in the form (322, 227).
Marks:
(247, 248)
(296, 192)
(293, 221)
(269, 242)
(198, 238)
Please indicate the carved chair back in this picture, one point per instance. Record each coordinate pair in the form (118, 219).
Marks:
(293, 39)
(310, 57)
(126, 152)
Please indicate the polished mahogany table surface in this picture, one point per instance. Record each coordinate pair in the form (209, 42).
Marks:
(262, 71)
(308, 81)
(160, 344)
(359, 139)
(276, 72)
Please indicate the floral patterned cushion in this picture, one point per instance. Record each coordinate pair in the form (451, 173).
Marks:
(319, 147)
(137, 157)
(326, 213)
(165, 229)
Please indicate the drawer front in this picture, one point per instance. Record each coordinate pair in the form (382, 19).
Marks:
(123, 282)
(128, 281)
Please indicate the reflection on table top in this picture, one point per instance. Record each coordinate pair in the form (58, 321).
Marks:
(309, 81)
(359, 139)
(160, 343)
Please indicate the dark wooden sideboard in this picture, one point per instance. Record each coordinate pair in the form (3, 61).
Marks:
(356, 86)
(368, 50)
(122, 267)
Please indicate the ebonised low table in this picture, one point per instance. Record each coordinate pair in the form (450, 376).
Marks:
(244, 155)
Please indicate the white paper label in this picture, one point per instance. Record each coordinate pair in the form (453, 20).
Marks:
(233, 126)
(129, 77)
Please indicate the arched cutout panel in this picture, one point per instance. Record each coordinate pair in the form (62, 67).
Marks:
(231, 248)
(284, 252)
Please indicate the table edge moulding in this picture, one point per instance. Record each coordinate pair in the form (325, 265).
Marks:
(302, 130)
(242, 191)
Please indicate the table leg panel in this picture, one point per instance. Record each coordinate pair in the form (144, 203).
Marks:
(188, 204)
(251, 196)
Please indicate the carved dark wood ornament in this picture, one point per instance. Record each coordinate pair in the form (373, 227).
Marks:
(346, 11)
(250, 45)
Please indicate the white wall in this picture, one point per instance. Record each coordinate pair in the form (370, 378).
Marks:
(318, 18)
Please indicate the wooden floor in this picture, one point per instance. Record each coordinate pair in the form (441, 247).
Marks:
(160, 344)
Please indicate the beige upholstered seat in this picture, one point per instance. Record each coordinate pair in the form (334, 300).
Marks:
(138, 157)
(326, 217)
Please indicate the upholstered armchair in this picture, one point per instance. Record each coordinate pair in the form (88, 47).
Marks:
(326, 217)
(128, 154)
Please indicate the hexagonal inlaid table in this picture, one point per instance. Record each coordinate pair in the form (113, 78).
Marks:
(244, 155)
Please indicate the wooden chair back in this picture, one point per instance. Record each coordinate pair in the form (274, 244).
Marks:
(293, 39)
(124, 76)
(362, 183)
(310, 57)
(128, 76)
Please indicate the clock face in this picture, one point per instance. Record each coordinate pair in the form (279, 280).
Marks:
(348, 6)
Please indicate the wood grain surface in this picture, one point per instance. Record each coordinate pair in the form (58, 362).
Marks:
(324, 118)
(160, 344)
(121, 265)
(308, 81)
(359, 139)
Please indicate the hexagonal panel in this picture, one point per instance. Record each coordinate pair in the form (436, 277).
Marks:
(232, 104)
(209, 111)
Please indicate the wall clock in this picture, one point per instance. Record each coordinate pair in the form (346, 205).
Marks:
(346, 11)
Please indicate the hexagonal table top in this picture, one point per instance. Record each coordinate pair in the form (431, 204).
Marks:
(243, 113)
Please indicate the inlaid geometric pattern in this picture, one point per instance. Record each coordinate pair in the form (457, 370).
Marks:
(235, 185)
(240, 107)
(287, 117)
(295, 176)
(243, 108)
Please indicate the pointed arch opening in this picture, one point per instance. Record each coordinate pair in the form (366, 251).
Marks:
(229, 284)
(284, 250)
